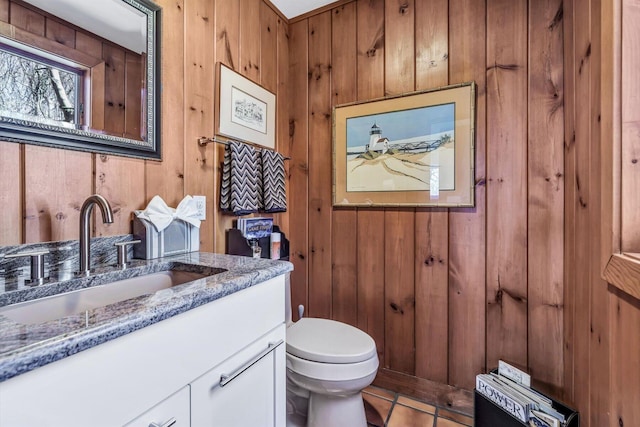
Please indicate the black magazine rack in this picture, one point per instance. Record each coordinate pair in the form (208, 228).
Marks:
(488, 414)
(238, 245)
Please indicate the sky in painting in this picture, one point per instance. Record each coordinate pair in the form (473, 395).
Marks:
(402, 124)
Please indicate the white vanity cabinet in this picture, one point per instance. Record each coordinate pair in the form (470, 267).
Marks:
(167, 370)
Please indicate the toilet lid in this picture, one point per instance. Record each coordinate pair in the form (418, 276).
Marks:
(328, 341)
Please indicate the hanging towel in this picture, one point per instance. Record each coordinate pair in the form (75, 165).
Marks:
(241, 186)
(273, 188)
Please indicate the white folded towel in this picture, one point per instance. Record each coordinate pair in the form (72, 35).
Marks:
(160, 215)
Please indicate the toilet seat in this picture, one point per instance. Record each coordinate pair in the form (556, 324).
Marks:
(328, 341)
(338, 372)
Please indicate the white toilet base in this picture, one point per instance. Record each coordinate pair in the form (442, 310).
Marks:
(336, 411)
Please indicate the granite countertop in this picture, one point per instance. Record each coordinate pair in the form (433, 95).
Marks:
(24, 347)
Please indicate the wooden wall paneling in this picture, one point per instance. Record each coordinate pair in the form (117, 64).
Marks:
(227, 51)
(282, 117)
(399, 26)
(57, 183)
(431, 294)
(166, 178)
(268, 65)
(569, 198)
(121, 181)
(133, 100)
(583, 207)
(432, 44)
(4, 10)
(432, 225)
(371, 276)
(545, 166)
(320, 150)
(625, 364)
(344, 223)
(599, 328)
(370, 259)
(399, 223)
(60, 33)
(250, 39)
(507, 181)
(27, 19)
(97, 80)
(370, 49)
(89, 44)
(11, 184)
(630, 126)
(200, 167)
(467, 227)
(299, 164)
(114, 89)
(399, 293)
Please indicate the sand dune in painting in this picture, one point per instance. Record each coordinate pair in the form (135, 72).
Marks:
(400, 171)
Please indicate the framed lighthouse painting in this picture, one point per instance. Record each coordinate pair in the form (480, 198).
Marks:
(409, 150)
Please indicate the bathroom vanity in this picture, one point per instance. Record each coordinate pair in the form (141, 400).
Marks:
(206, 352)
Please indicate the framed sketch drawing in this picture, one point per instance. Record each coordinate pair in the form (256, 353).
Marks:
(246, 110)
(410, 150)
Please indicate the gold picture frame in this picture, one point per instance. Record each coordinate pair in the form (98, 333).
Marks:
(246, 110)
(410, 150)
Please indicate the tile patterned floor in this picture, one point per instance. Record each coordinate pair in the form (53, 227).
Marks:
(388, 409)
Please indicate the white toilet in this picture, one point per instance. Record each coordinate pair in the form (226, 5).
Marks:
(328, 365)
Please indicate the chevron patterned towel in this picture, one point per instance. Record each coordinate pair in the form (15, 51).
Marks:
(241, 187)
(273, 189)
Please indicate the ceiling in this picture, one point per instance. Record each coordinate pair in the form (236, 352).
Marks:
(293, 8)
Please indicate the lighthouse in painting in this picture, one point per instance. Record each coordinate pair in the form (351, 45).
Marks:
(376, 141)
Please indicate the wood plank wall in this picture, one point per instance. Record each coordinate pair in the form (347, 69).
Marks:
(444, 292)
(42, 188)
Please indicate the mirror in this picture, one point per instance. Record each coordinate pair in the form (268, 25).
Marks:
(81, 74)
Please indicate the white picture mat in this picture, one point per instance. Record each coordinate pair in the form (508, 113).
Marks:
(230, 83)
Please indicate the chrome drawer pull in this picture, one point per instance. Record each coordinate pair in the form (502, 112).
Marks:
(171, 421)
(227, 378)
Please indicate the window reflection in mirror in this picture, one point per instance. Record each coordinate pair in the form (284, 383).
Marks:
(87, 67)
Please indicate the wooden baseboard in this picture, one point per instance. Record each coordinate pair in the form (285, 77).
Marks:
(442, 395)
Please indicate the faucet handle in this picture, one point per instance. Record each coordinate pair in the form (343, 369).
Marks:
(122, 252)
(37, 265)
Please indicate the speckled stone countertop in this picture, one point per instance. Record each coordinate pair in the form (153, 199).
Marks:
(24, 347)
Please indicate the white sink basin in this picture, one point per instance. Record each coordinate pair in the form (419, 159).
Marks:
(75, 302)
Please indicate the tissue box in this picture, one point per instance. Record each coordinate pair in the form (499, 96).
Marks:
(178, 238)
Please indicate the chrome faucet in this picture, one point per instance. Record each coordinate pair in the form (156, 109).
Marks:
(85, 234)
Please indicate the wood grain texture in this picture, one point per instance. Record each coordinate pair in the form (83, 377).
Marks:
(432, 225)
(299, 163)
(11, 176)
(268, 64)
(200, 167)
(320, 149)
(507, 181)
(250, 39)
(344, 221)
(399, 290)
(467, 227)
(623, 272)
(58, 183)
(134, 124)
(569, 199)
(166, 178)
(88, 44)
(432, 294)
(114, 92)
(545, 164)
(630, 126)
(115, 178)
(27, 19)
(371, 277)
(583, 206)
(227, 51)
(4, 10)
(370, 258)
(432, 44)
(60, 33)
(399, 46)
(282, 117)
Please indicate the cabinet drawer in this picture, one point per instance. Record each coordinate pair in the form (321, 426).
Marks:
(246, 390)
(174, 411)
